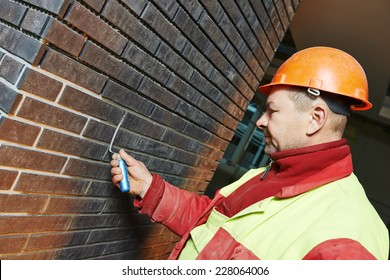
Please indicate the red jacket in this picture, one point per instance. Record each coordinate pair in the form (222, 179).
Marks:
(181, 211)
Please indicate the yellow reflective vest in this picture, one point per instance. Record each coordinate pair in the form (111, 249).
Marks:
(283, 228)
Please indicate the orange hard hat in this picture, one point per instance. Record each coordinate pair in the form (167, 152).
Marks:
(327, 69)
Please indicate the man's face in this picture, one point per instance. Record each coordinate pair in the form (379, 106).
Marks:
(283, 125)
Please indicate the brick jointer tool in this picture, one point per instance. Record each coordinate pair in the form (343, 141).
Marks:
(125, 183)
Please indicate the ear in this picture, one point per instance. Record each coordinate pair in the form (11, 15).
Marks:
(318, 117)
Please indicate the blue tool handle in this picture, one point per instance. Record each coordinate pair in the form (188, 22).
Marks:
(125, 183)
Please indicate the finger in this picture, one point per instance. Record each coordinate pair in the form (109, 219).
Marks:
(116, 179)
(116, 171)
(128, 158)
(114, 163)
(115, 156)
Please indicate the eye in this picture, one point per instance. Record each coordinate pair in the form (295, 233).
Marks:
(271, 111)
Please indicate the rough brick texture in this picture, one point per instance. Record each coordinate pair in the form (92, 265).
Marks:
(182, 71)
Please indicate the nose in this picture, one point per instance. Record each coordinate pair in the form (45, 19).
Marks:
(262, 121)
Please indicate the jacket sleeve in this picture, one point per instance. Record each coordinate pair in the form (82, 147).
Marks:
(339, 249)
(175, 208)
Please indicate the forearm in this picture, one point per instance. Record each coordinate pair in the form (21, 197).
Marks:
(177, 209)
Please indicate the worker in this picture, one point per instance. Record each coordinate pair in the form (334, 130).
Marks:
(307, 203)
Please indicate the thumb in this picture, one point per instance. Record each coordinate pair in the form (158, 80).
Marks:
(129, 160)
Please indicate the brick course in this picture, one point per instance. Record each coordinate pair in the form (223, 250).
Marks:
(182, 71)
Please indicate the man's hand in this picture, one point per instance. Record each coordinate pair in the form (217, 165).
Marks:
(139, 176)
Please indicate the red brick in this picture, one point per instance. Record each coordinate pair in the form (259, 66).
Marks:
(12, 244)
(56, 240)
(48, 255)
(7, 178)
(83, 19)
(15, 104)
(44, 113)
(64, 38)
(21, 158)
(39, 84)
(74, 205)
(72, 70)
(18, 132)
(55, 141)
(30, 224)
(34, 183)
(16, 203)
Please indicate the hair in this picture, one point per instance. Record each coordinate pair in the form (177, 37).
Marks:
(303, 101)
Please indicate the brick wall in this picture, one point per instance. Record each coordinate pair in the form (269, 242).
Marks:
(183, 72)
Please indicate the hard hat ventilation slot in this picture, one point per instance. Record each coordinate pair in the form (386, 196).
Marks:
(315, 92)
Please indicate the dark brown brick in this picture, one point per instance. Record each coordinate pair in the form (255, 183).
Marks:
(7, 178)
(56, 240)
(44, 113)
(188, 26)
(39, 84)
(34, 21)
(18, 132)
(110, 65)
(271, 10)
(74, 205)
(96, 221)
(143, 126)
(163, 27)
(12, 244)
(57, 7)
(213, 31)
(8, 97)
(214, 8)
(64, 38)
(103, 189)
(174, 61)
(12, 12)
(21, 44)
(35, 183)
(80, 252)
(19, 203)
(97, 5)
(129, 24)
(90, 105)
(10, 69)
(127, 98)
(73, 71)
(104, 235)
(29, 224)
(28, 159)
(55, 141)
(102, 132)
(184, 157)
(146, 63)
(76, 167)
(118, 205)
(158, 93)
(198, 60)
(280, 8)
(168, 118)
(154, 148)
(83, 19)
